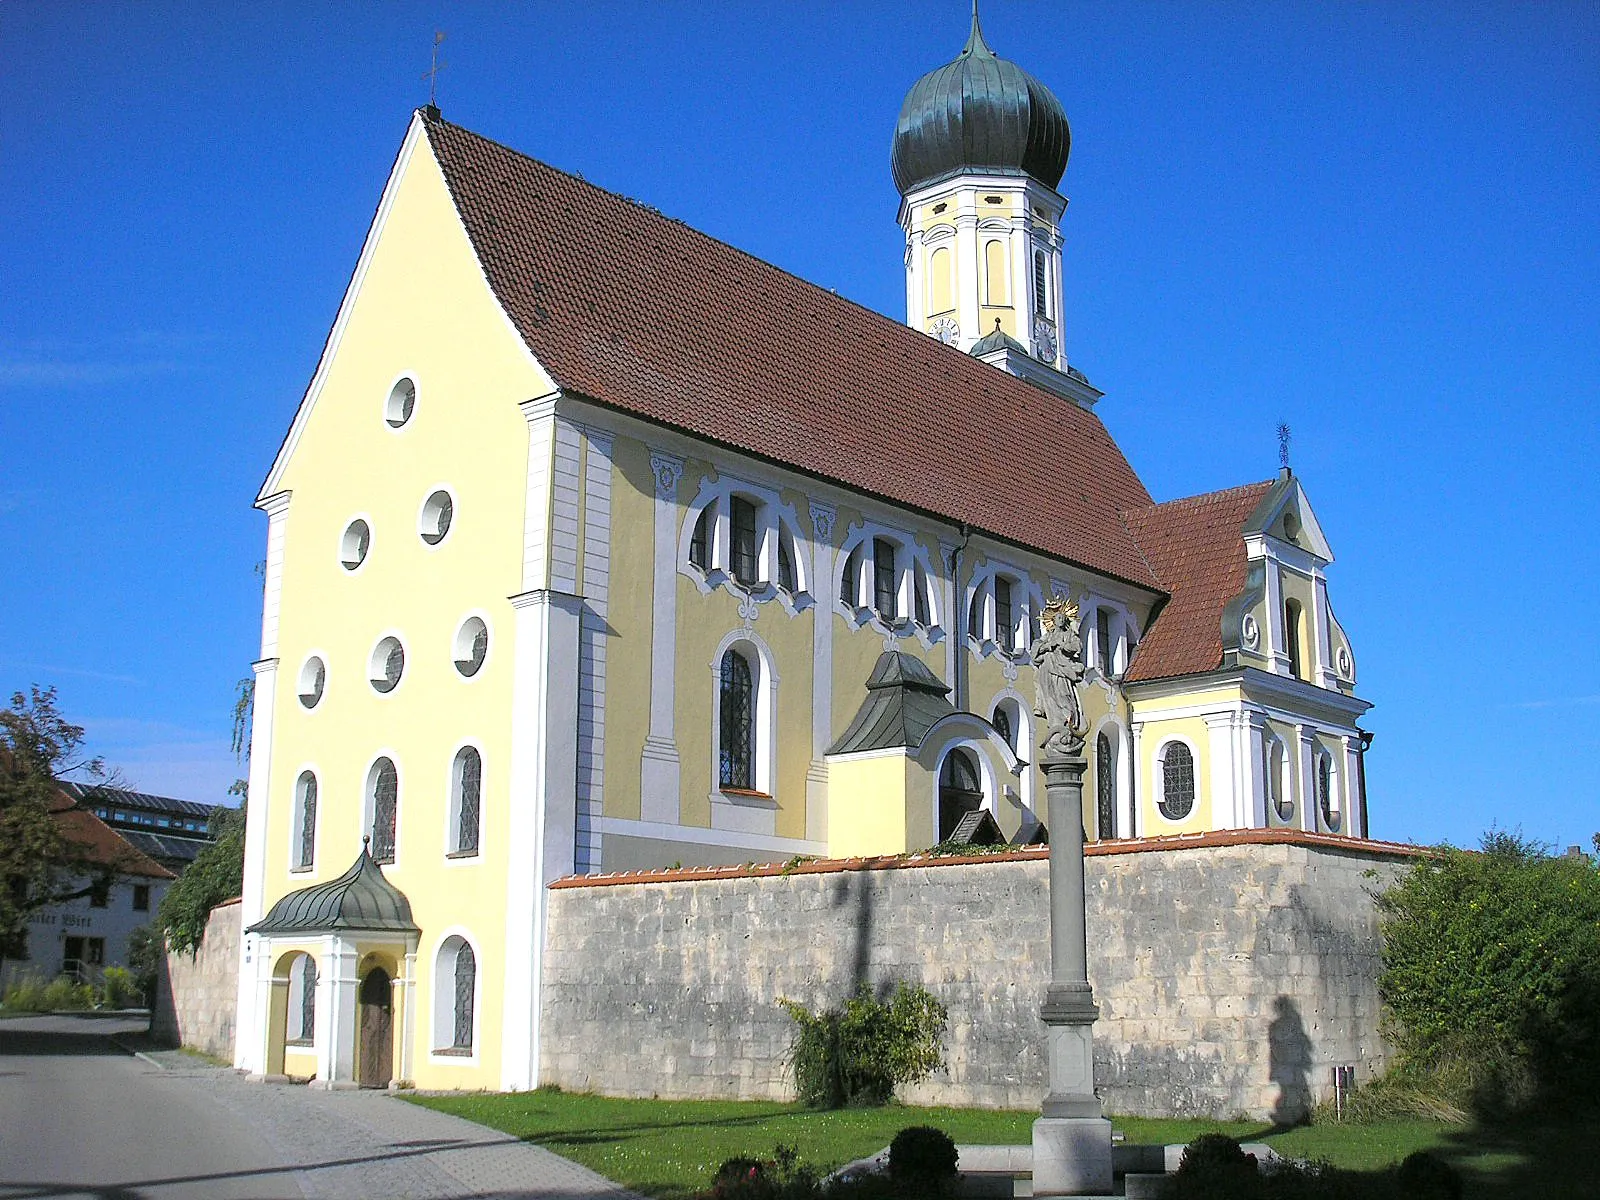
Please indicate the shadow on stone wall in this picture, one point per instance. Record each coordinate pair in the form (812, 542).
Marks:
(1289, 1062)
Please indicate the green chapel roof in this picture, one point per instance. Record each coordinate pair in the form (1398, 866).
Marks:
(904, 700)
(360, 900)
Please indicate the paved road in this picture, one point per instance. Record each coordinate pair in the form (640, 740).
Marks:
(81, 1119)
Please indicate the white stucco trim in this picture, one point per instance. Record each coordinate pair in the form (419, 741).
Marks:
(765, 720)
(658, 763)
(593, 646)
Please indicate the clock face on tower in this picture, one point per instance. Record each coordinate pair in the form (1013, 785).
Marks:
(947, 330)
(1044, 340)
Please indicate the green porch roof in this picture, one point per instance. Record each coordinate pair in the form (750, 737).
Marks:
(361, 900)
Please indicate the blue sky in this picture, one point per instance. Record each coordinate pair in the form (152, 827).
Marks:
(1378, 222)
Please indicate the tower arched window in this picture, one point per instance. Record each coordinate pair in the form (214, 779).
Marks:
(737, 754)
(1293, 622)
(1105, 787)
(1277, 781)
(1327, 796)
(941, 281)
(1177, 781)
(305, 803)
(384, 787)
(960, 790)
(1041, 287)
(994, 273)
(466, 799)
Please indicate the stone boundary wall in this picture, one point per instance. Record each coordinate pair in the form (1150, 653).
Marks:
(1233, 971)
(197, 996)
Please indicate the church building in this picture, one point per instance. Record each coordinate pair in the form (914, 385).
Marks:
(568, 573)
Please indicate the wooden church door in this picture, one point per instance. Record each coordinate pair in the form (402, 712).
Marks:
(377, 1030)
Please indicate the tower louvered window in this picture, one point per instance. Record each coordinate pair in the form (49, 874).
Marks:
(736, 758)
(385, 806)
(469, 790)
(466, 994)
(1177, 782)
(1040, 307)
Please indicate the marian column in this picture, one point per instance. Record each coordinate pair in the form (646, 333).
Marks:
(1072, 1138)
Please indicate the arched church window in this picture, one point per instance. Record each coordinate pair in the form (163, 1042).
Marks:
(387, 665)
(354, 544)
(1002, 724)
(433, 523)
(385, 809)
(700, 540)
(883, 579)
(994, 273)
(1277, 780)
(960, 790)
(1005, 622)
(313, 682)
(1105, 639)
(1293, 619)
(467, 785)
(306, 822)
(737, 754)
(1177, 781)
(849, 581)
(302, 1026)
(466, 986)
(471, 647)
(1105, 786)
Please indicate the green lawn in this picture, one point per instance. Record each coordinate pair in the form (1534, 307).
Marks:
(669, 1148)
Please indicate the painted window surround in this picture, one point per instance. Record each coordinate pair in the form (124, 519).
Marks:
(1027, 602)
(914, 568)
(776, 521)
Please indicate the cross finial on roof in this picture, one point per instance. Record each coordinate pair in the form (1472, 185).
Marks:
(975, 40)
(1284, 438)
(432, 73)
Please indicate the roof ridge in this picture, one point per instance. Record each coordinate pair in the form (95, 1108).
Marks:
(1219, 494)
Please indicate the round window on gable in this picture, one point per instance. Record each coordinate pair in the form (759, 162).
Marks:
(434, 522)
(472, 646)
(355, 543)
(388, 664)
(313, 679)
(401, 404)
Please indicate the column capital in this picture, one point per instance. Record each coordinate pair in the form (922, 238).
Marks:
(822, 519)
(667, 469)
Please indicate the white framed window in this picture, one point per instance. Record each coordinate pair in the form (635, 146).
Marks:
(1176, 772)
(466, 802)
(470, 647)
(386, 666)
(742, 535)
(455, 997)
(887, 578)
(313, 681)
(303, 830)
(302, 1015)
(745, 701)
(355, 543)
(382, 809)
(401, 403)
(436, 515)
(1003, 605)
(965, 784)
(1280, 794)
(1325, 778)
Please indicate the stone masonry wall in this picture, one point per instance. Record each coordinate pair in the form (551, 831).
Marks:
(1233, 972)
(197, 996)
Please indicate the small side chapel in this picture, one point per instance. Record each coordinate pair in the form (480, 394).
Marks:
(568, 574)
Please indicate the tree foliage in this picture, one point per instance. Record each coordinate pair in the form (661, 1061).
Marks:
(217, 874)
(40, 864)
(1491, 961)
(855, 1055)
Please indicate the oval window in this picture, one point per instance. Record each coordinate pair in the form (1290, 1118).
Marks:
(313, 679)
(388, 665)
(437, 512)
(355, 543)
(472, 646)
(401, 404)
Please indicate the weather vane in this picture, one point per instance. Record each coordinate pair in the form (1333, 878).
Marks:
(1284, 438)
(432, 74)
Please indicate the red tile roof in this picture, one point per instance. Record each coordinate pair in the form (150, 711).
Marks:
(1196, 548)
(635, 310)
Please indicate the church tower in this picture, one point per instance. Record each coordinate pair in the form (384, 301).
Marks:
(979, 150)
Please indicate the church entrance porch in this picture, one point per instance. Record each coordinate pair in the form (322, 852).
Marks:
(375, 1052)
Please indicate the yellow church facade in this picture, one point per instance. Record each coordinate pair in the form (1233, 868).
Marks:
(565, 578)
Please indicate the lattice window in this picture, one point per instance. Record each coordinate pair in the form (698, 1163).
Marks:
(1105, 784)
(469, 791)
(466, 993)
(742, 525)
(385, 809)
(308, 998)
(736, 766)
(308, 820)
(1177, 782)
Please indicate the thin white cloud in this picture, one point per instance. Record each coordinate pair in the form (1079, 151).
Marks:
(139, 355)
(48, 670)
(1557, 702)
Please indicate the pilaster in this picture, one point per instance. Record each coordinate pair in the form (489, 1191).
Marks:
(658, 767)
(1220, 750)
(1305, 768)
(1255, 758)
(824, 588)
(337, 990)
(1322, 636)
(1350, 785)
(1140, 788)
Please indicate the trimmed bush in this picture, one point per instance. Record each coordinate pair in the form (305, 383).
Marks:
(923, 1157)
(855, 1055)
(1425, 1176)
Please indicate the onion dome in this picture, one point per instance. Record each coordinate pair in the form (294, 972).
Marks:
(979, 113)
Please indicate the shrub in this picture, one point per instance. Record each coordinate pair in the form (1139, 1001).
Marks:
(782, 1177)
(217, 874)
(923, 1158)
(26, 994)
(1425, 1176)
(65, 994)
(117, 988)
(144, 960)
(1491, 972)
(855, 1055)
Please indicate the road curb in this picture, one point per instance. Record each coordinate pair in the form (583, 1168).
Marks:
(139, 1054)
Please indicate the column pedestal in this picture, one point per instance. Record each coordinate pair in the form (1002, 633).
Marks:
(1071, 1139)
